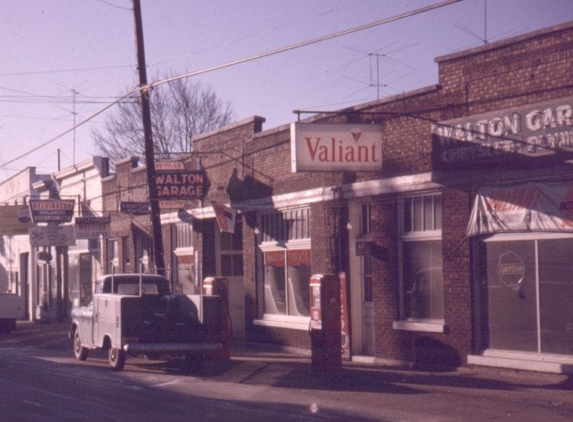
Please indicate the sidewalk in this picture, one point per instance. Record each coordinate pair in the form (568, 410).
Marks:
(54, 336)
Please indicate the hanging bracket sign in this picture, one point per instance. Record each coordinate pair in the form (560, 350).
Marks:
(52, 236)
(183, 184)
(52, 210)
(92, 227)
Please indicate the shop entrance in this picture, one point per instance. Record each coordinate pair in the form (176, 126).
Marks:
(229, 264)
(361, 290)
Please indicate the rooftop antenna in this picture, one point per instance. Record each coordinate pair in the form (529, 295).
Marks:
(377, 73)
(485, 21)
(473, 34)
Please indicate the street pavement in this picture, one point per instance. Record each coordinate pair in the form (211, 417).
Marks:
(372, 391)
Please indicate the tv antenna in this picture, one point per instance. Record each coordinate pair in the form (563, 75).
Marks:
(374, 67)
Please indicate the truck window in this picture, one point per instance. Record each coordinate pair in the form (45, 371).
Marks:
(133, 289)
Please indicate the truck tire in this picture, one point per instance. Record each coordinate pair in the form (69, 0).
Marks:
(116, 358)
(80, 351)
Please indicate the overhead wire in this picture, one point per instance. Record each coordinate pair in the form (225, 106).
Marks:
(306, 43)
(241, 61)
(49, 141)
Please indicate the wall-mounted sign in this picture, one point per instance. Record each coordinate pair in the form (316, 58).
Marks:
(169, 165)
(15, 220)
(336, 147)
(181, 184)
(170, 205)
(535, 130)
(52, 210)
(52, 236)
(92, 227)
(134, 208)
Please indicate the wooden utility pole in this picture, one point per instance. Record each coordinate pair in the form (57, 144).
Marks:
(149, 149)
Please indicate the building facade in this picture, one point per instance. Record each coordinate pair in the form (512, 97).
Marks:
(452, 230)
(18, 270)
(48, 277)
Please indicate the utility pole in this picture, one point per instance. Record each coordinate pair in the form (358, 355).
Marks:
(149, 150)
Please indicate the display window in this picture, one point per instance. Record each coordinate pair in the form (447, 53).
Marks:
(421, 292)
(530, 291)
(285, 244)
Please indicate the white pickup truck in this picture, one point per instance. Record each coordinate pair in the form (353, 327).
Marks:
(8, 311)
(135, 314)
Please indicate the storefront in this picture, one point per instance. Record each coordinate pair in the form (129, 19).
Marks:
(525, 236)
(388, 193)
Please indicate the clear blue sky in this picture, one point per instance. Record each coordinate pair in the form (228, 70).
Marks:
(58, 57)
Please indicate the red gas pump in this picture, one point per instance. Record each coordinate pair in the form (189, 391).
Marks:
(325, 323)
(219, 286)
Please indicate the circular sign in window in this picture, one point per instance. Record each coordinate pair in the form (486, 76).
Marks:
(511, 270)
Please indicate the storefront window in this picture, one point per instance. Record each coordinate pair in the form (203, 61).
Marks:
(512, 295)
(556, 296)
(287, 275)
(231, 248)
(530, 291)
(422, 275)
(113, 254)
(285, 242)
(183, 256)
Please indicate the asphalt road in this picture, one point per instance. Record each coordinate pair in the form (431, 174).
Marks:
(41, 380)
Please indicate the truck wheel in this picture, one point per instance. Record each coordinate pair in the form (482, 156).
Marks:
(116, 358)
(80, 351)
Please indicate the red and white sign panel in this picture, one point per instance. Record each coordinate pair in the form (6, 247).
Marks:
(52, 210)
(336, 147)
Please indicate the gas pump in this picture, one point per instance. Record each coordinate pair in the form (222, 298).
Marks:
(218, 286)
(325, 323)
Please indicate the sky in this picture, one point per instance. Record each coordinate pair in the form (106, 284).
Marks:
(64, 63)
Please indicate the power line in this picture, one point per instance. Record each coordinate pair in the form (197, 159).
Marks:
(241, 61)
(71, 129)
(45, 72)
(306, 43)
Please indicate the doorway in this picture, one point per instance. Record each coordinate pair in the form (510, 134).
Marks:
(229, 264)
(361, 286)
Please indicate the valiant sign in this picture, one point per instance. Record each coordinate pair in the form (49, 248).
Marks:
(336, 147)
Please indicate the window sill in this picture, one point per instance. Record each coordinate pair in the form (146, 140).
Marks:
(557, 364)
(428, 326)
(283, 321)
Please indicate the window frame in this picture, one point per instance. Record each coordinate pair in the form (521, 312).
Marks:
(410, 232)
(535, 238)
(235, 252)
(183, 250)
(300, 240)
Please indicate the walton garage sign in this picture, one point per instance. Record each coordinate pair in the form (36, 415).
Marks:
(175, 183)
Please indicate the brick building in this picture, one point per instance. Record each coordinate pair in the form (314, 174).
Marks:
(454, 249)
